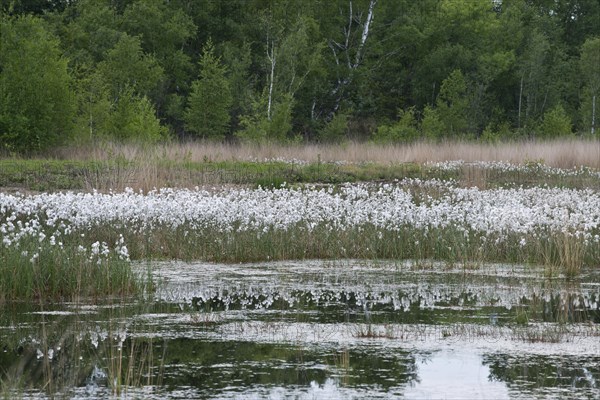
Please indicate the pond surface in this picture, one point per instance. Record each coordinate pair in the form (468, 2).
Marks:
(316, 329)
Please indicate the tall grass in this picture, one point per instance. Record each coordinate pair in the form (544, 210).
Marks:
(38, 270)
(411, 219)
(112, 166)
(558, 253)
(563, 153)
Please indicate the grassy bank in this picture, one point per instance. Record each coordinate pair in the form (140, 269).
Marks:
(118, 174)
(109, 166)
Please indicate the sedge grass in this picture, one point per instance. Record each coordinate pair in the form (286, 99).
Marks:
(439, 222)
(454, 246)
(41, 271)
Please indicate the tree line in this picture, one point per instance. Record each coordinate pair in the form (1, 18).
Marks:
(296, 70)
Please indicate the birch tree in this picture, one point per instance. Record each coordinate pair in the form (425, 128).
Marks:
(590, 71)
(348, 52)
(533, 71)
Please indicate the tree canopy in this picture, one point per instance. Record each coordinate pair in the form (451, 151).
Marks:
(297, 70)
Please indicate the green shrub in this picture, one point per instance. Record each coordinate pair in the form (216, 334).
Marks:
(431, 126)
(134, 117)
(556, 123)
(336, 130)
(404, 130)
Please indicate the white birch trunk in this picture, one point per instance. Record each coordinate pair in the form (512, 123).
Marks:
(520, 99)
(271, 57)
(365, 33)
(593, 114)
(352, 66)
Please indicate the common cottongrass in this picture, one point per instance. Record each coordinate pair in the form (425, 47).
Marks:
(40, 270)
(440, 222)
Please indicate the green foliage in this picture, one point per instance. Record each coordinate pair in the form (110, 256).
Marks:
(207, 113)
(94, 108)
(494, 133)
(134, 118)
(590, 70)
(590, 64)
(163, 29)
(404, 130)
(88, 30)
(279, 67)
(452, 104)
(281, 121)
(336, 130)
(239, 60)
(534, 72)
(40, 271)
(431, 125)
(556, 123)
(299, 55)
(130, 117)
(127, 67)
(37, 103)
(256, 126)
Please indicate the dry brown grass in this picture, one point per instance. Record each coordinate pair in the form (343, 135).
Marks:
(558, 153)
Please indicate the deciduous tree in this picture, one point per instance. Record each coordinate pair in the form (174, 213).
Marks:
(37, 101)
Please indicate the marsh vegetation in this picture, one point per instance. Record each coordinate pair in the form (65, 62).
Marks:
(155, 292)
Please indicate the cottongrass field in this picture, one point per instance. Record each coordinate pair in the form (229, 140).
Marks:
(64, 245)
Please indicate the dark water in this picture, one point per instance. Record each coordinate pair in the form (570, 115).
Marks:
(314, 330)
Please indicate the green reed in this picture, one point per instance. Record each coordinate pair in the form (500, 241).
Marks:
(558, 252)
(34, 270)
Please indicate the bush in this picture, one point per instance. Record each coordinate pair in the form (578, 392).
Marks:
(336, 129)
(134, 118)
(556, 122)
(432, 126)
(37, 103)
(404, 130)
(256, 127)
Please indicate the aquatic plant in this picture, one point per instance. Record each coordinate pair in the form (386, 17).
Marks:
(46, 261)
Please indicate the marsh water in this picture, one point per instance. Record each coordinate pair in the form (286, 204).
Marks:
(315, 329)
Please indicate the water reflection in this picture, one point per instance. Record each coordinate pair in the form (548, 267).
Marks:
(542, 375)
(336, 330)
(455, 375)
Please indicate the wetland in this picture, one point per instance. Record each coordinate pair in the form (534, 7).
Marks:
(315, 329)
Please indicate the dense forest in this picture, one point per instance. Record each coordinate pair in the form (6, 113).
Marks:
(296, 70)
